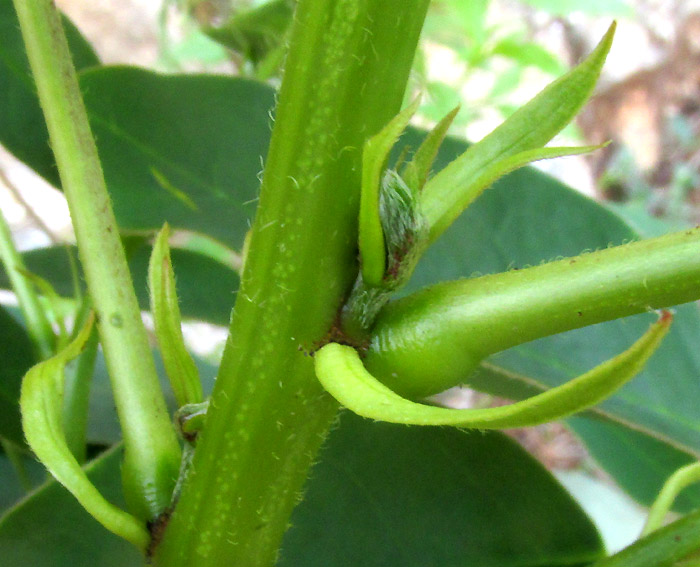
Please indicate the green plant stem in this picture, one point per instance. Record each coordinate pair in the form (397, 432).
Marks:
(152, 453)
(345, 74)
(38, 325)
(685, 476)
(661, 548)
(431, 340)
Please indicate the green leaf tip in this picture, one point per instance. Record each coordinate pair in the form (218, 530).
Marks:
(374, 157)
(340, 370)
(448, 193)
(179, 366)
(416, 172)
(41, 402)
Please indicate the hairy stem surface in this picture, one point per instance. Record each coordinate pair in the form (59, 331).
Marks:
(345, 75)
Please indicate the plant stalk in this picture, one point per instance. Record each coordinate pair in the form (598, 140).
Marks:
(152, 453)
(345, 75)
(38, 325)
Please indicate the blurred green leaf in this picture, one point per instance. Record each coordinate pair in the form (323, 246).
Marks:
(613, 8)
(211, 302)
(181, 149)
(527, 53)
(470, 499)
(50, 528)
(506, 82)
(22, 128)
(11, 489)
(255, 32)
(16, 357)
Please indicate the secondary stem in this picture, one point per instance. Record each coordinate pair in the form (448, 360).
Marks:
(38, 325)
(345, 75)
(151, 448)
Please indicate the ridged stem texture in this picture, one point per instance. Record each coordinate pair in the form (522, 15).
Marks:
(345, 75)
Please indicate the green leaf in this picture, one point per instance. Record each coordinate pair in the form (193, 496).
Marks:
(616, 8)
(11, 487)
(194, 146)
(41, 401)
(528, 53)
(256, 32)
(341, 371)
(211, 302)
(179, 365)
(416, 172)
(22, 128)
(192, 163)
(448, 193)
(50, 528)
(16, 357)
(385, 495)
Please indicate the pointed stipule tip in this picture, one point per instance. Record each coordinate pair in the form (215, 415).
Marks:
(665, 317)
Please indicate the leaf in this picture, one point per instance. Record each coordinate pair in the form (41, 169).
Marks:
(16, 357)
(42, 420)
(528, 53)
(341, 371)
(49, 528)
(470, 499)
(617, 8)
(179, 365)
(211, 302)
(22, 128)
(448, 193)
(255, 32)
(416, 172)
(11, 487)
(194, 145)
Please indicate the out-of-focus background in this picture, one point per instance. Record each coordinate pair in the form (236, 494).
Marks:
(489, 56)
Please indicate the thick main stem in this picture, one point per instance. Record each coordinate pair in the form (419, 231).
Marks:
(151, 448)
(345, 75)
